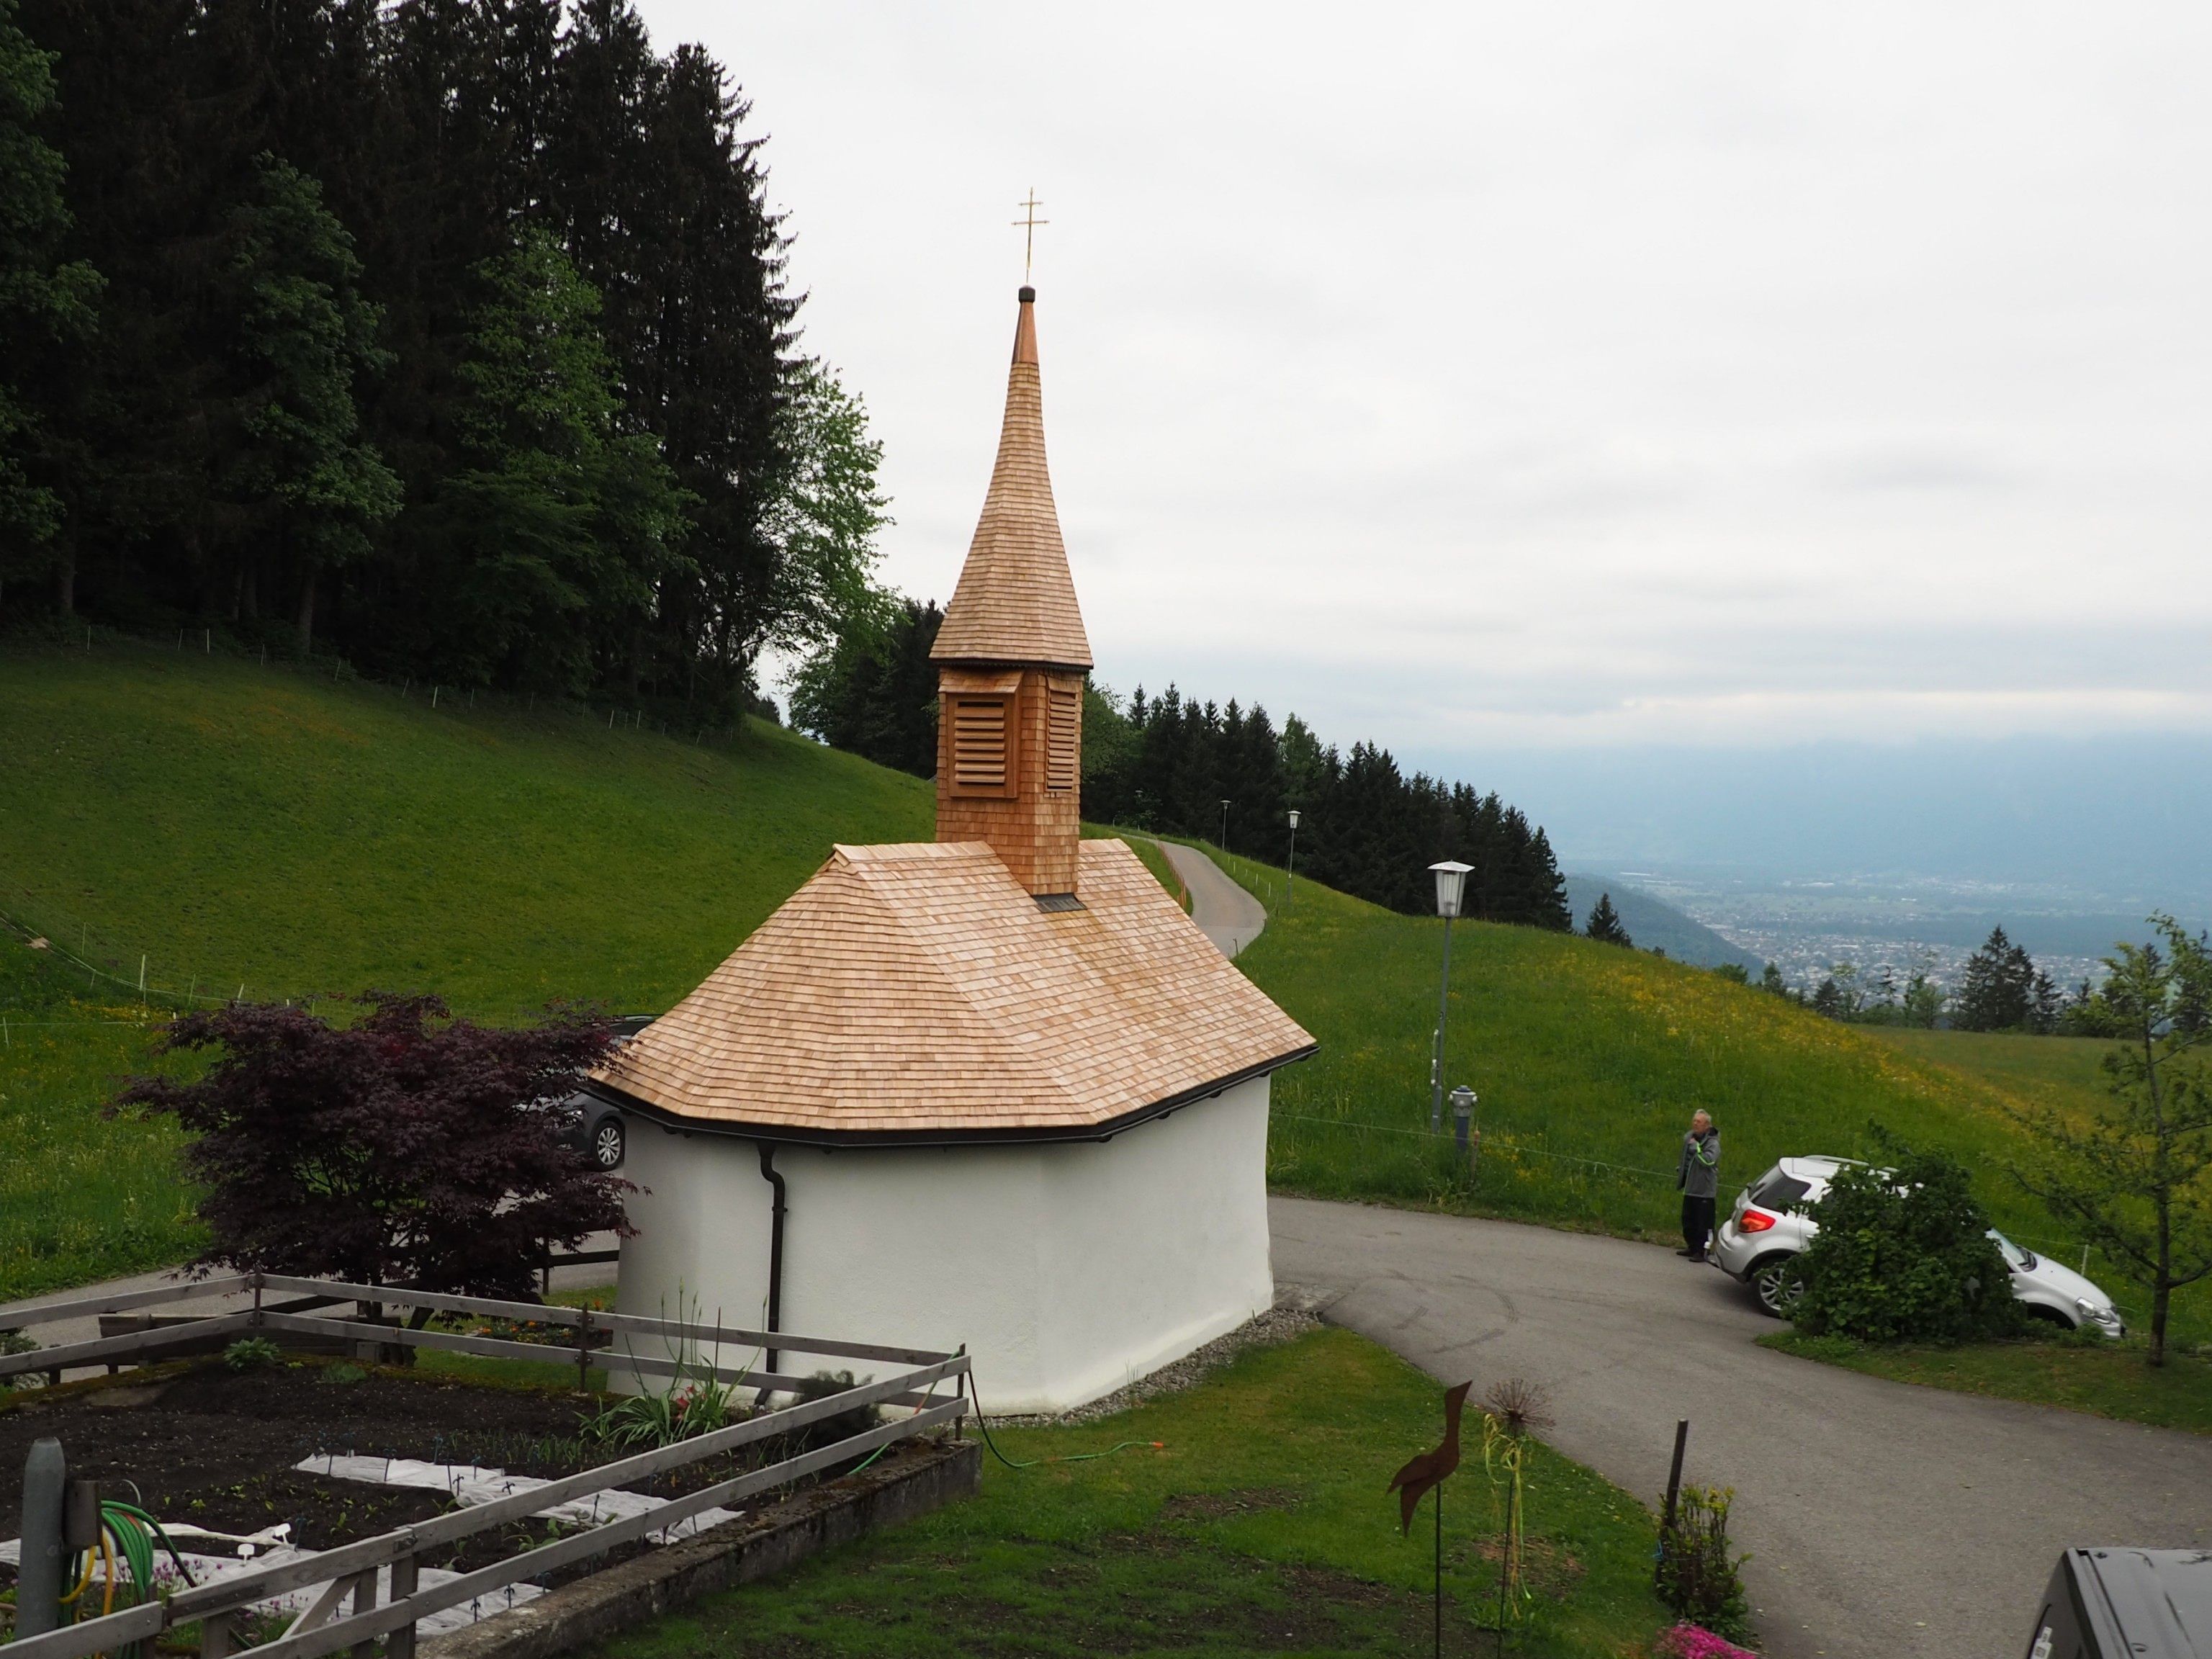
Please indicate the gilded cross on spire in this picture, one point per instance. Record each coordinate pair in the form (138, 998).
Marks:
(1027, 225)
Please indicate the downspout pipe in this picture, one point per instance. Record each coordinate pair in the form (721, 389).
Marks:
(778, 1210)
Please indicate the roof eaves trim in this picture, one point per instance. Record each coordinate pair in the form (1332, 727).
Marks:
(787, 1136)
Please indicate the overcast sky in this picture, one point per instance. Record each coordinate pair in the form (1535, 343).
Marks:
(1484, 377)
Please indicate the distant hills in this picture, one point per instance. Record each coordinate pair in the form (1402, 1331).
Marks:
(1653, 924)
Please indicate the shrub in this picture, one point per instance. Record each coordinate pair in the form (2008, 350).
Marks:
(406, 1148)
(343, 1375)
(1697, 1576)
(1905, 1255)
(253, 1353)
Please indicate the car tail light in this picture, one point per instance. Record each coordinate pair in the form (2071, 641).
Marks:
(1754, 1221)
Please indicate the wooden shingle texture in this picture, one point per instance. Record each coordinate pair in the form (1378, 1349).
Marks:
(918, 989)
(1015, 602)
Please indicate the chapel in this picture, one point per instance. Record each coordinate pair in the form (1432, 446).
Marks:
(995, 1089)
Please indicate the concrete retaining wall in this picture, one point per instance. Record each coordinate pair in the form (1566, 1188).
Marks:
(907, 1483)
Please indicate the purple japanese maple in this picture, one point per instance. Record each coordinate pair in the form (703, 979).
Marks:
(404, 1147)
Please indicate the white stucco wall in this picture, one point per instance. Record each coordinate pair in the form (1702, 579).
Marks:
(1068, 1269)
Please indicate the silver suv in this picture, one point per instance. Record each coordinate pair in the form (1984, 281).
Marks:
(1760, 1241)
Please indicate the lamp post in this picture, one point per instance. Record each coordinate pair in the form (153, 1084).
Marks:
(1451, 883)
(1224, 826)
(1290, 886)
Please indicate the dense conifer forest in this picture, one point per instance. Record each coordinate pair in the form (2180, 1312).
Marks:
(449, 334)
(1167, 763)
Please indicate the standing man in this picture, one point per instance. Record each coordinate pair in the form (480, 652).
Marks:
(1698, 1175)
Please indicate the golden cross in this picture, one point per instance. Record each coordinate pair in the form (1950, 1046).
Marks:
(1028, 225)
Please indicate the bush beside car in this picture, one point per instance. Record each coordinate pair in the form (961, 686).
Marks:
(1904, 1255)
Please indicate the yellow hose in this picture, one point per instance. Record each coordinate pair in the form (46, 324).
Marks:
(84, 1579)
(107, 1555)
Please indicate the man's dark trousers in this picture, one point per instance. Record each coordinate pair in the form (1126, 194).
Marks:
(1697, 1222)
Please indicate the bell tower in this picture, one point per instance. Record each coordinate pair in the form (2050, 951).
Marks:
(1011, 660)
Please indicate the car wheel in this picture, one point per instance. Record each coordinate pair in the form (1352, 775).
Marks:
(1779, 1281)
(2042, 1316)
(607, 1144)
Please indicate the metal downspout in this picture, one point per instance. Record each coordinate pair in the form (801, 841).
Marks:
(779, 1209)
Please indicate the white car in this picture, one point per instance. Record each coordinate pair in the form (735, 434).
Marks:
(1760, 1241)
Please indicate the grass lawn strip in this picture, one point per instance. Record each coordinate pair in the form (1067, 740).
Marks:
(1261, 1526)
(2108, 1380)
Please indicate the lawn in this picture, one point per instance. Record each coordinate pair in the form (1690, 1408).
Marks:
(2108, 1379)
(1259, 1525)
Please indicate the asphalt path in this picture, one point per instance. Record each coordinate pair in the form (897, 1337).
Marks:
(1224, 912)
(1885, 1521)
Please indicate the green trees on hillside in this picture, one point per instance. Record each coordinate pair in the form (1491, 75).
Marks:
(336, 239)
(873, 690)
(46, 308)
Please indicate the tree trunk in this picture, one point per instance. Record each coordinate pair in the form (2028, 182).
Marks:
(65, 582)
(307, 623)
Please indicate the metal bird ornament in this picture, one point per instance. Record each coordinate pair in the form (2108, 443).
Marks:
(1424, 1473)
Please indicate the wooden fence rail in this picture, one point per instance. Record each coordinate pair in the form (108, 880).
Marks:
(349, 1572)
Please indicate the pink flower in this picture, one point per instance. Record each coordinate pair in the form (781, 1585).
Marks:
(1688, 1642)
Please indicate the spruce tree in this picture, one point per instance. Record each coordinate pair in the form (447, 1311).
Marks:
(1997, 993)
(291, 469)
(1604, 924)
(552, 539)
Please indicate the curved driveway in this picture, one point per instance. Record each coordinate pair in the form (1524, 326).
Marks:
(1885, 1521)
(1224, 912)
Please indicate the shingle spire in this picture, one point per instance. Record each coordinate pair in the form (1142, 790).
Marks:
(1015, 603)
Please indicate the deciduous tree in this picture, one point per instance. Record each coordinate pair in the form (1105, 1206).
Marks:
(2136, 1178)
(407, 1148)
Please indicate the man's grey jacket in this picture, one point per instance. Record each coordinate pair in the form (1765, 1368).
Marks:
(1698, 1175)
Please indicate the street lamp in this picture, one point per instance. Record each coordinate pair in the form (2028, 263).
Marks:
(1451, 884)
(1290, 887)
(1224, 826)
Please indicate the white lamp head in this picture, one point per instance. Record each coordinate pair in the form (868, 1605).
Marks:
(1294, 818)
(1451, 884)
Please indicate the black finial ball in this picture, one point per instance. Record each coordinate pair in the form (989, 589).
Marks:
(1028, 294)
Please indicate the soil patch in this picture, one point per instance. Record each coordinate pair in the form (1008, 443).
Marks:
(1221, 1505)
(203, 1443)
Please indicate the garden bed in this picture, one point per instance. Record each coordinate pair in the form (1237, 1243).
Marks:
(201, 1444)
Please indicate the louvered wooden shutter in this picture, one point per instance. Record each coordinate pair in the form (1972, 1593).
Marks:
(979, 745)
(1064, 740)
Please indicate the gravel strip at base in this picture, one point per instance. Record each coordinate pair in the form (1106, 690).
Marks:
(1293, 1317)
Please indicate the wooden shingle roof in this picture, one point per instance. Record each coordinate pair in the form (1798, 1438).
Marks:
(1015, 602)
(917, 992)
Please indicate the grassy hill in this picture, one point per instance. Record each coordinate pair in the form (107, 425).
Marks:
(235, 824)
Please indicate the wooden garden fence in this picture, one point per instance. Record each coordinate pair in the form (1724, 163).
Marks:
(347, 1614)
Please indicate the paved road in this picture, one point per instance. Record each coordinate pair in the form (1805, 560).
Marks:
(1885, 1521)
(1224, 912)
